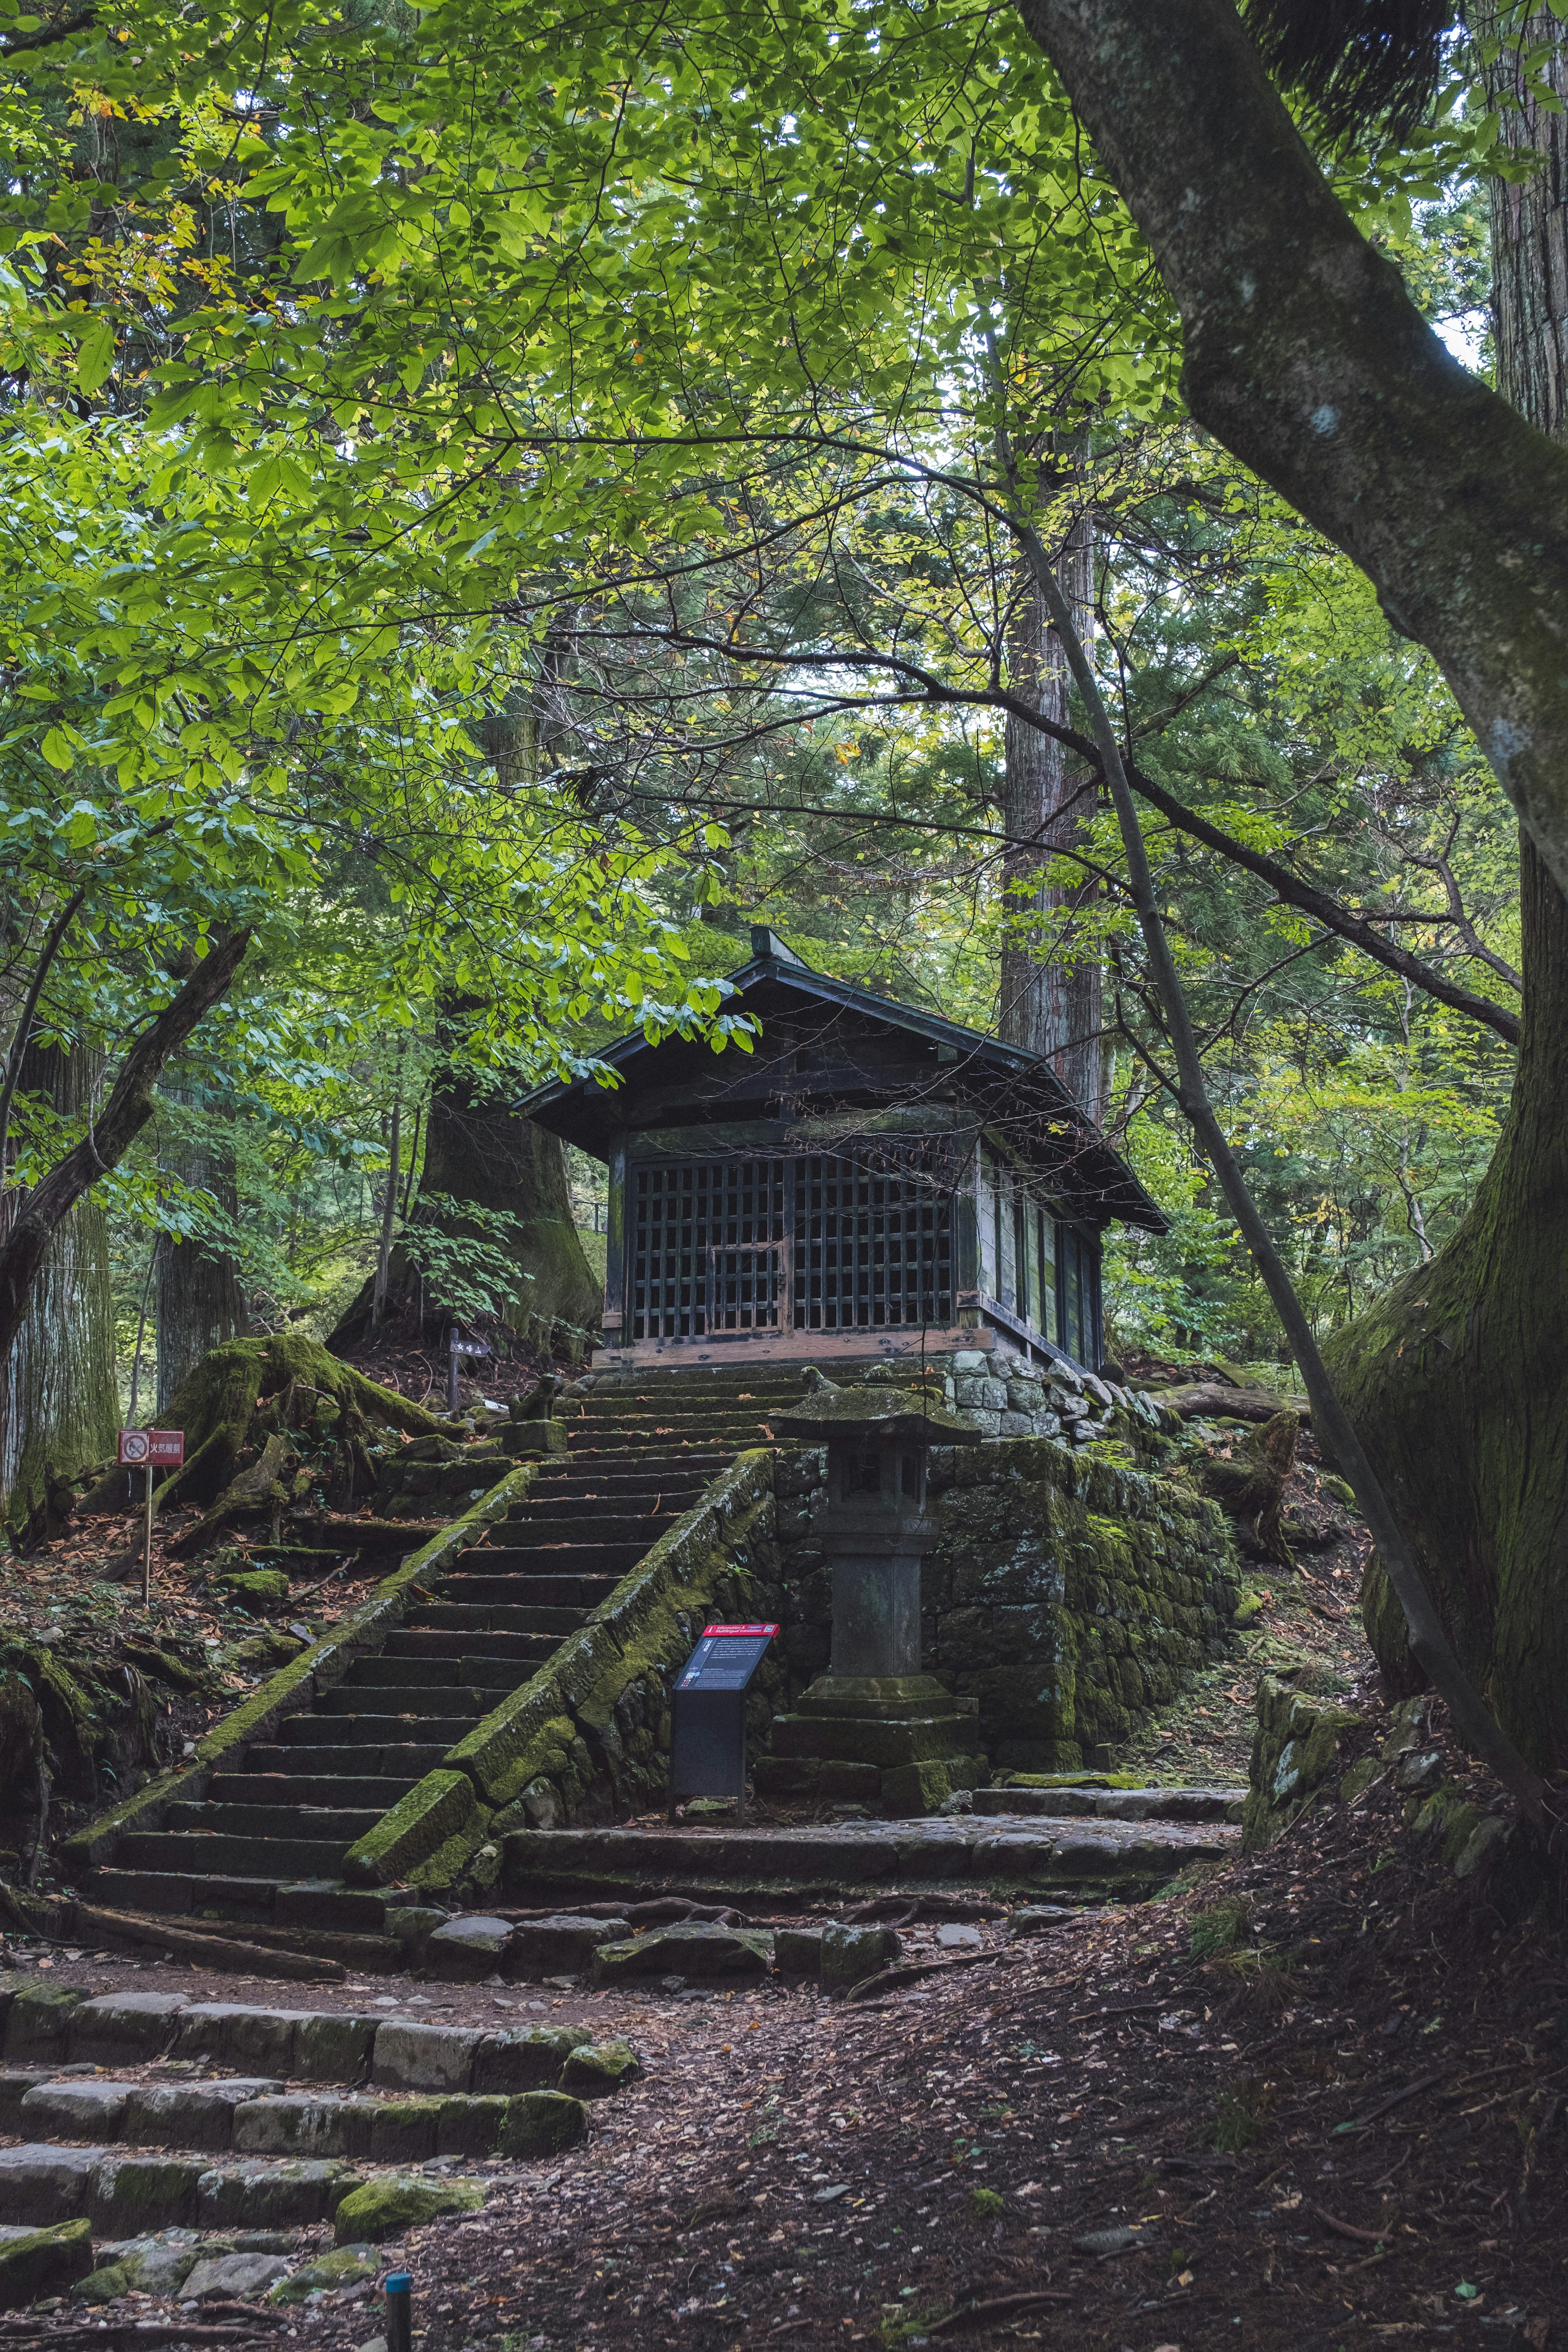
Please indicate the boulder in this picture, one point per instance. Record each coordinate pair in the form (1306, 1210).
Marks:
(689, 1947)
(387, 2208)
(599, 2068)
(36, 2263)
(344, 2266)
(463, 1949)
(245, 2278)
(560, 1947)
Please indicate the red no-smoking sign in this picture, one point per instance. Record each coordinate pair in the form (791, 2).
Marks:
(163, 1448)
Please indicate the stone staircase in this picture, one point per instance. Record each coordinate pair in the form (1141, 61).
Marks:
(265, 1844)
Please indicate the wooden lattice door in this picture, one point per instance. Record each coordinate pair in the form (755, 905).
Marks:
(709, 1247)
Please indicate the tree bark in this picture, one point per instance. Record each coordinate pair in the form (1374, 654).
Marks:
(1051, 993)
(1306, 357)
(59, 1403)
(200, 1303)
(477, 1150)
(1459, 1378)
(130, 1106)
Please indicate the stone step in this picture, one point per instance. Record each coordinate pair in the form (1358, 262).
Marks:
(544, 1598)
(315, 1755)
(532, 1526)
(1078, 1860)
(480, 1639)
(376, 1711)
(511, 1558)
(675, 1494)
(617, 1452)
(513, 1587)
(257, 1785)
(253, 1817)
(624, 1471)
(202, 1855)
(1213, 1804)
(464, 1672)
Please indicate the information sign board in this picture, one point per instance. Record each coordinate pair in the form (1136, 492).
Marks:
(163, 1448)
(708, 1711)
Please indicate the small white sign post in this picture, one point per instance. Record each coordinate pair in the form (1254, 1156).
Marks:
(147, 1449)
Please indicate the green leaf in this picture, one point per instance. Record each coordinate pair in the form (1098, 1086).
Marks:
(96, 356)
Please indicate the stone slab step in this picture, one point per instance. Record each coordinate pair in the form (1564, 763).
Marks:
(376, 1715)
(537, 1527)
(237, 1857)
(310, 1786)
(1005, 1851)
(314, 1754)
(435, 1641)
(1214, 1804)
(251, 2118)
(174, 1891)
(521, 1558)
(644, 1498)
(124, 2194)
(402, 1673)
(380, 1731)
(626, 1468)
(317, 1819)
(528, 1593)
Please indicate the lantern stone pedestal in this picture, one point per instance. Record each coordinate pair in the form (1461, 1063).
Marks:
(873, 1728)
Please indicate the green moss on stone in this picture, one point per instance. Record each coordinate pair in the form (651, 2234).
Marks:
(45, 2262)
(540, 2123)
(385, 2209)
(344, 2266)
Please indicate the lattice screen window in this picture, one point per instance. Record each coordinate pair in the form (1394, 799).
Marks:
(708, 1240)
(869, 1249)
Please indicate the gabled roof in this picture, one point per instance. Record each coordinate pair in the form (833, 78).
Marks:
(1098, 1170)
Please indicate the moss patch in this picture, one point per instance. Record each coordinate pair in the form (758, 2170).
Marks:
(45, 2262)
(385, 2209)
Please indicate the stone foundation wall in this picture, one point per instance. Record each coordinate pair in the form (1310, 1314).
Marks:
(1068, 1593)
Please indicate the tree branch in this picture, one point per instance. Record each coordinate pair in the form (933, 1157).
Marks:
(23, 1029)
(127, 1111)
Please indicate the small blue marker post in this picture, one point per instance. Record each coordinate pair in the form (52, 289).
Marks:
(399, 2285)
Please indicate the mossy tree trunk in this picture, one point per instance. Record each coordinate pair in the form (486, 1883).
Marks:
(479, 1151)
(59, 1401)
(1459, 1380)
(199, 1301)
(1051, 992)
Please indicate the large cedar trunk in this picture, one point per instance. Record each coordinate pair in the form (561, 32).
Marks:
(199, 1302)
(1050, 971)
(59, 1401)
(478, 1149)
(1459, 1380)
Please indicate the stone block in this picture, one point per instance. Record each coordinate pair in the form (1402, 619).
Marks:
(424, 2057)
(970, 1388)
(848, 1954)
(690, 1948)
(530, 2059)
(334, 2049)
(272, 2196)
(475, 2127)
(405, 2131)
(191, 2114)
(305, 2127)
(75, 2110)
(37, 2023)
(390, 2208)
(599, 2068)
(797, 1952)
(240, 2278)
(818, 1779)
(152, 2265)
(121, 2029)
(1017, 1424)
(228, 2033)
(14, 2089)
(541, 2123)
(132, 2195)
(344, 2266)
(564, 1946)
(970, 1360)
(993, 1395)
(39, 2262)
(43, 2185)
(464, 1949)
(1039, 1918)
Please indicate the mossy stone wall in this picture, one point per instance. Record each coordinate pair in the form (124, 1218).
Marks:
(1068, 1593)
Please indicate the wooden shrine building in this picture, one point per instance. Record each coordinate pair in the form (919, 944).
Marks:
(870, 1180)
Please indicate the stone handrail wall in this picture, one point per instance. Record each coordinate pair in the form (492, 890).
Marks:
(584, 1738)
(295, 1688)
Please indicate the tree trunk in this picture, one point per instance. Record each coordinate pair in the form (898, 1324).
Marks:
(477, 1150)
(200, 1303)
(1459, 1380)
(58, 1401)
(1305, 356)
(1050, 972)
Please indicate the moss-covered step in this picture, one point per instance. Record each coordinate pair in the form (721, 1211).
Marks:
(263, 2119)
(613, 1864)
(1130, 1804)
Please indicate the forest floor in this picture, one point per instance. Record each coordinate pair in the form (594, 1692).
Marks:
(1310, 2099)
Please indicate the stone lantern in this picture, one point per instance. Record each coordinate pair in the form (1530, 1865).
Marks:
(875, 1726)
